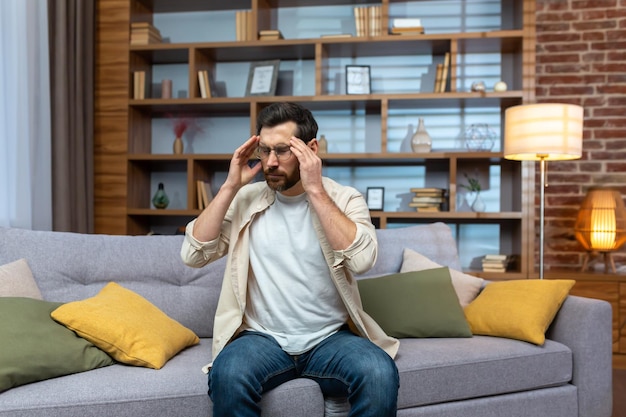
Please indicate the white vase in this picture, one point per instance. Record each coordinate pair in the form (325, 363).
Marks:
(478, 205)
(421, 141)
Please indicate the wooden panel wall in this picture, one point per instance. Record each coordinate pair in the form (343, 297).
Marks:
(111, 115)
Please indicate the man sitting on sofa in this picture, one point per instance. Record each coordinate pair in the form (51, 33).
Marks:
(289, 306)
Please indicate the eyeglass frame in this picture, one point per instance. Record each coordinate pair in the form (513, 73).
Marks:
(264, 152)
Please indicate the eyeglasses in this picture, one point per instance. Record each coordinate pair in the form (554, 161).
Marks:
(282, 154)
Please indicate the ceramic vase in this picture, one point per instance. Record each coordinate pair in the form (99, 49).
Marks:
(178, 145)
(322, 145)
(421, 141)
(160, 199)
(478, 205)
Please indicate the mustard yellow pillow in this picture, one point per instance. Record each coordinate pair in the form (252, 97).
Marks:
(518, 309)
(126, 326)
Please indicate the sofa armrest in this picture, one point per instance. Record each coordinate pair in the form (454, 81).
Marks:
(585, 326)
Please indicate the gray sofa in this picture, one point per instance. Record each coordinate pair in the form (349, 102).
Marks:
(570, 375)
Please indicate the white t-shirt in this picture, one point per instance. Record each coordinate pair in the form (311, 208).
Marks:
(291, 295)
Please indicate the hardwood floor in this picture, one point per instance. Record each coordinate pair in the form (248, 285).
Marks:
(619, 388)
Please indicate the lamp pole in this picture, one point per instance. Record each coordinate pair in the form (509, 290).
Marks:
(542, 197)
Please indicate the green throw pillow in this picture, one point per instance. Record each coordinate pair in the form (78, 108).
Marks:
(35, 347)
(415, 304)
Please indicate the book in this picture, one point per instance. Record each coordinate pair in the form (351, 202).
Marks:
(374, 21)
(406, 22)
(434, 209)
(368, 20)
(143, 33)
(494, 269)
(202, 83)
(428, 190)
(444, 76)
(199, 186)
(206, 84)
(417, 30)
(427, 199)
(139, 85)
(269, 35)
(359, 21)
(497, 262)
(204, 194)
(438, 75)
(336, 35)
(243, 25)
(496, 256)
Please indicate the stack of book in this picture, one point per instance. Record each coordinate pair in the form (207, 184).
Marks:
(204, 193)
(368, 21)
(243, 25)
(270, 35)
(406, 26)
(428, 199)
(143, 33)
(495, 262)
(441, 76)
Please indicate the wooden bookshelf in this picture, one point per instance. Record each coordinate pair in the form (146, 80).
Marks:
(126, 163)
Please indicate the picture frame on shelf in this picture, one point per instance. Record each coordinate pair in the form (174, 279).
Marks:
(263, 78)
(375, 197)
(358, 79)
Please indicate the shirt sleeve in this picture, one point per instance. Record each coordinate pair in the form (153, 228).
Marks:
(197, 253)
(361, 255)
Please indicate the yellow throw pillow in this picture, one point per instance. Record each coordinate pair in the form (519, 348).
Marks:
(126, 326)
(519, 309)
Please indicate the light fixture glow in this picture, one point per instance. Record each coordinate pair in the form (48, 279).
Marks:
(601, 224)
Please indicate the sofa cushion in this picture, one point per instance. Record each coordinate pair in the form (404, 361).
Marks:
(35, 347)
(466, 286)
(436, 370)
(434, 241)
(519, 309)
(16, 280)
(415, 304)
(177, 389)
(127, 326)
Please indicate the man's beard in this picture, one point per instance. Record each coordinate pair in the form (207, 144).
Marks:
(284, 183)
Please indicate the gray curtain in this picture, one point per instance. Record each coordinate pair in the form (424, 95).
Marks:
(71, 26)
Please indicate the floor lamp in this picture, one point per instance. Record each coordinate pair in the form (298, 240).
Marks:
(543, 132)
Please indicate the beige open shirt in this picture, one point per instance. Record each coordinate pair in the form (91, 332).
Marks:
(234, 241)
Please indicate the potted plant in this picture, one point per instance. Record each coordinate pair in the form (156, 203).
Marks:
(473, 186)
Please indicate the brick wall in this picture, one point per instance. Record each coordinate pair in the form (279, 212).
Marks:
(581, 59)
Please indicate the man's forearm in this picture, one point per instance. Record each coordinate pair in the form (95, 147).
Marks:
(340, 230)
(209, 223)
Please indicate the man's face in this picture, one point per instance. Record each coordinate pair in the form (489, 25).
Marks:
(280, 166)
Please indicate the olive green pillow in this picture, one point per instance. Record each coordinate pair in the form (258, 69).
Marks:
(35, 347)
(415, 304)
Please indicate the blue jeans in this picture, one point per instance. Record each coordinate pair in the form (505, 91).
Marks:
(343, 364)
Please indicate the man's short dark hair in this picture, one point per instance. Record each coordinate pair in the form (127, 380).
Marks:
(279, 113)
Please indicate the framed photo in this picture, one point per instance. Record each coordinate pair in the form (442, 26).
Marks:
(358, 79)
(375, 198)
(262, 78)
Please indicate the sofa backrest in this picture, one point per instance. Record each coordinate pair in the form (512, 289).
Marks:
(433, 240)
(72, 266)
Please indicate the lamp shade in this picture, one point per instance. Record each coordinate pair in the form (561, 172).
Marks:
(601, 222)
(549, 131)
